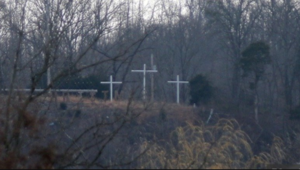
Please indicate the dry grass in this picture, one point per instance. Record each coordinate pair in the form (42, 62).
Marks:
(177, 112)
(222, 145)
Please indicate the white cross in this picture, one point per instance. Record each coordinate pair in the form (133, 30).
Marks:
(111, 86)
(144, 80)
(177, 82)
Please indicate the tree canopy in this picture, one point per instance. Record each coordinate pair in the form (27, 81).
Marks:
(254, 59)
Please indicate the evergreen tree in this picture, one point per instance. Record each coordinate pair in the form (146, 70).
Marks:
(201, 90)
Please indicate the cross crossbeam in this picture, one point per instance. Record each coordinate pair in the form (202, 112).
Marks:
(111, 86)
(144, 71)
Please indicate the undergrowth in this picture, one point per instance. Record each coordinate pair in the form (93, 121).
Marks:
(221, 146)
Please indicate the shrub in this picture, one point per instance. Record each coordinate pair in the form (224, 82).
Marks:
(295, 113)
(201, 91)
(63, 106)
(77, 113)
(88, 82)
(162, 114)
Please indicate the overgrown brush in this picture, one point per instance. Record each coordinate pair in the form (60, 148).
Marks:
(223, 145)
(22, 145)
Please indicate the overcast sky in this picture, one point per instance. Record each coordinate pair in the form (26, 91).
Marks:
(148, 5)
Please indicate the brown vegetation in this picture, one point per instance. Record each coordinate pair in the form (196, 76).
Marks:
(136, 135)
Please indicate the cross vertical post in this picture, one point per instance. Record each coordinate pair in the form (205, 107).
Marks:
(177, 84)
(111, 86)
(144, 71)
(47, 41)
(144, 83)
(152, 78)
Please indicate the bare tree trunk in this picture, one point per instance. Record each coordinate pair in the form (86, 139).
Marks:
(235, 87)
(256, 107)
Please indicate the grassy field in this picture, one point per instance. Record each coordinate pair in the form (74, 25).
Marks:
(93, 133)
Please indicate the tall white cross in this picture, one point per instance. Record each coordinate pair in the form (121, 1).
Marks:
(178, 82)
(111, 86)
(144, 80)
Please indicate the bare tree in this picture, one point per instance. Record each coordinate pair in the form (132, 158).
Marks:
(51, 39)
(284, 39)
(232, 21)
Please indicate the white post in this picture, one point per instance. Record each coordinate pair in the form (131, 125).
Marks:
(144, 83)
(111, 86)
(144, 71)
(177, 83)
(152, 78)
(48, 40)
(152, 81)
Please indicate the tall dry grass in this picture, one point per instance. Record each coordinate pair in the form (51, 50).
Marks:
(221, 146)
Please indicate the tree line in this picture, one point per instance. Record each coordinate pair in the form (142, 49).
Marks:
(244, 52)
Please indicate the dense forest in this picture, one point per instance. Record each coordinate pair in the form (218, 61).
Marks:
(239, 109)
